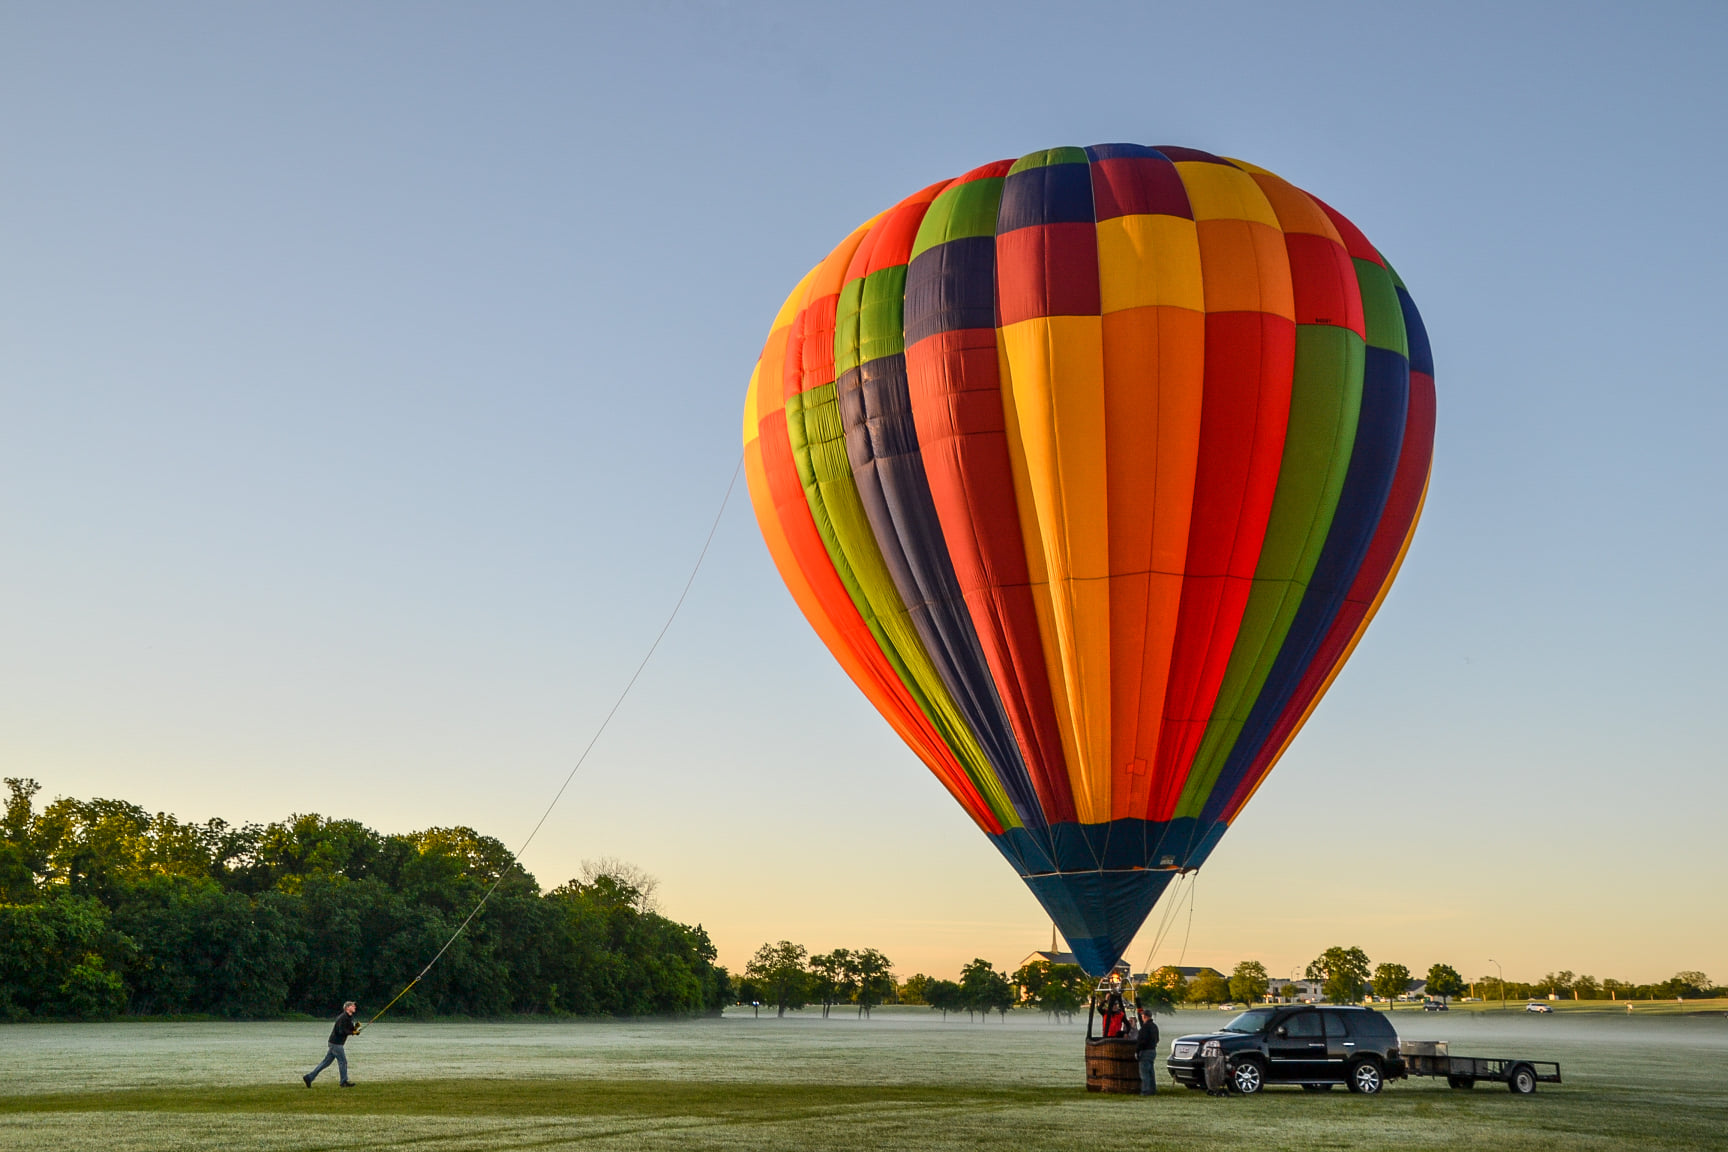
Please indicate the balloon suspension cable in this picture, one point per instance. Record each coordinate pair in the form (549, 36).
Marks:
(1192, 884)
(1171, 910)
(593, 740)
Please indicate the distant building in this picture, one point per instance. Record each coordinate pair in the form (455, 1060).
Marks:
(1048, 956)
(1295, 991)
(1052, 956)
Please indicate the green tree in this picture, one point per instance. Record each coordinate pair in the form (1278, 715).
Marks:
(1342, 971)
(1554, 984)
(1172, 981)
(1029, 978)
(43, 942)
(1208, 988)
(778, 969)
(1688, 985)
(1391, 981)
(827, 974)
(984, 989)
(1249, 982)
(20, 860)
(91, 992)
(307, 912)
(1160, 999)
(1444, 982)
(1057, 989)
(871, 978)
(944, 996)
(914, 990)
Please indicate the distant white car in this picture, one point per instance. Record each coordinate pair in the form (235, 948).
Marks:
(1533, 1006)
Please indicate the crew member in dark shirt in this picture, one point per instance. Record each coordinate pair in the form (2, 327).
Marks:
(1146, 1051)
(344, 1027)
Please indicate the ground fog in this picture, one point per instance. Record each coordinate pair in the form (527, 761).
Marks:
(902, 1079)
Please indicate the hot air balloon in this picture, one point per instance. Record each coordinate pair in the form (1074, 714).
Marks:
(1090, 468)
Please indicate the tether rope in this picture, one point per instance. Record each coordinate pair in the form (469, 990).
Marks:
(595, 739)
(1171, 910)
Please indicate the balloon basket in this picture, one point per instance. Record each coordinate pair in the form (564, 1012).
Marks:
(1112, 1066)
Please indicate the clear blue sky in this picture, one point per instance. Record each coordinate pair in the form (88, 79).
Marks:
(370, 373)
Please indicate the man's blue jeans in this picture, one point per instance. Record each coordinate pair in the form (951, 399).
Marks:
(338, 1056)
(1149, 1073)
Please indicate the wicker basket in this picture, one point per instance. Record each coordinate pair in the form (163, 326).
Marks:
(1112, 1066)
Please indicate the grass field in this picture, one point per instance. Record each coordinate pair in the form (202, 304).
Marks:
(902, 1080)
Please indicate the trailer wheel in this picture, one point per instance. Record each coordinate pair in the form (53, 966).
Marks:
(1523, 1080)
(1364, 1078)
(1461, 1081)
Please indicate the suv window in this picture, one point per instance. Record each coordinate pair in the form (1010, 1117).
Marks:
(1303, 1024)
(1371, 1024)
(1335, 1023)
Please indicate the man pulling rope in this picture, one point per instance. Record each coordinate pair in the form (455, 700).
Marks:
(337, 1054)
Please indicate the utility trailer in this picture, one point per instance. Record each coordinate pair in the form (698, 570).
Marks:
(1431, 1058)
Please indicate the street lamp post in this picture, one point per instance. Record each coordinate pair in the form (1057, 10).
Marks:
(1502, 972)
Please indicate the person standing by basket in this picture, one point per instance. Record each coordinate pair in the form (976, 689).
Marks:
(1146, 1051)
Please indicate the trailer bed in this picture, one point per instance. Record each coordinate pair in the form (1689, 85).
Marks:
(1517, 1073)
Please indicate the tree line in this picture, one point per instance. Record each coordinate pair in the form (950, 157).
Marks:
(787, 977)
(1347, 976)
(108, 909)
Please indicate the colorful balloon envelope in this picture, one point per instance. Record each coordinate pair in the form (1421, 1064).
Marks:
(1090, 468)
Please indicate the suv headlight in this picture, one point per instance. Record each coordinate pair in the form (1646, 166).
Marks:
(1210, 1048)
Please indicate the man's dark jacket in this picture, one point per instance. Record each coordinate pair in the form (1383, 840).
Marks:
(345, 1027)
(1148, 1041)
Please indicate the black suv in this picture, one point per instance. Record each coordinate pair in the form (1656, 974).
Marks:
(1314, 1047)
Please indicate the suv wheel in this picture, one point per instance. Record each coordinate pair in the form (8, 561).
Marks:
(1523, 1080)
(1364, 1078)
(1246, 1077)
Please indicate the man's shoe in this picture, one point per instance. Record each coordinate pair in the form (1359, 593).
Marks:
(307, 1079)
(347, 1083)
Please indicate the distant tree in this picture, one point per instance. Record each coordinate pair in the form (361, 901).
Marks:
(1444, 982)
(1208, 988)
(870, 978)
(778, 969)
(915, 990)
(944, 996)
(828, 978)
(1172, 981)
(1553, 984)
(1160, 999)
(1586, 988)
(20, 858)
(626, 874)
(1057, 989)
(1249, 982)
(1391, 981)
(1342, 972)
(1689, 985)
(986, 990)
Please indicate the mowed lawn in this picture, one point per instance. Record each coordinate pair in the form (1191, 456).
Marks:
(902, 1080)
